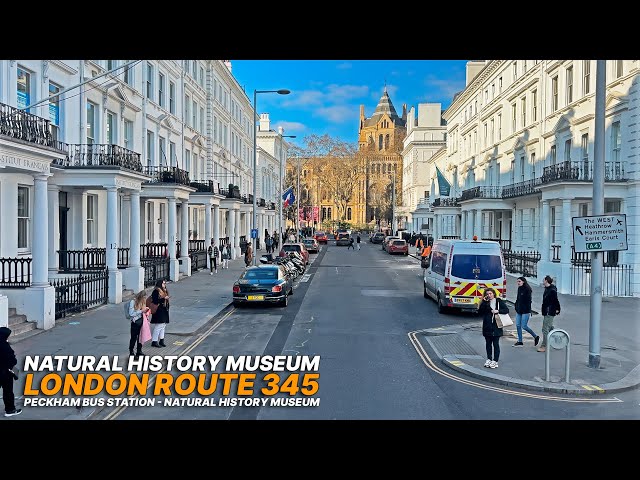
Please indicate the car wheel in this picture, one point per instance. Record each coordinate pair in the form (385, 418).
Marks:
(441, 308)
(285, 301)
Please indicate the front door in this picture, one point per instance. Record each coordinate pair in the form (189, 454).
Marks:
(62, 220)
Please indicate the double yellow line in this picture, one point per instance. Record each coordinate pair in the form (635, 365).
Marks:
(118, 410)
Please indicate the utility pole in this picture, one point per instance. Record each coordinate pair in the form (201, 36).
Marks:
(298, 208)
(393, 204)
(598, 209)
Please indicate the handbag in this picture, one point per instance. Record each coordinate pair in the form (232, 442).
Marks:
(152, 306)
(503, 320)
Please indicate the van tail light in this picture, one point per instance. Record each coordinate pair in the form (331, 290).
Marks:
(447, 287)
(503, 291)
(276, 288)
(236, 289)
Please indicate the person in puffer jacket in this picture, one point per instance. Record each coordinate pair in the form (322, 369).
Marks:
(550, 308)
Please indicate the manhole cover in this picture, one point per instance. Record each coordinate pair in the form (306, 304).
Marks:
(100, 337)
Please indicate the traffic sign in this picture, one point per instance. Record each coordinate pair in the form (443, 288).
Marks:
(599, 233)
(254, 233)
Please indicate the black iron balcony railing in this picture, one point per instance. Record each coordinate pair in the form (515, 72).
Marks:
(271, 206)
(15, 272)
(223, 191)
(519, 189)
(164, 174)
(483, 191)
(205, 186)
(100, 155)
(262, 202)
(446, 202)
(25, 126)
(582, 172)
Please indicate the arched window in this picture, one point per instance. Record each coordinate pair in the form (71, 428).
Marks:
(386, 141)
(384, 168)
(380, 142)
(349, 213)
(329, 213)
(324, 213)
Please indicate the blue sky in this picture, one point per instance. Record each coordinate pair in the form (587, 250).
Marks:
(326, 95)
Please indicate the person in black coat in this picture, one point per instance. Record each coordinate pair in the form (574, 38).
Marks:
(490, 305)
(550, 308)
(159, 320)
(8, 360)
(523, 311)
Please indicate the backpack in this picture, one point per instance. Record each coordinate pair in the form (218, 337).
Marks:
(126, 310)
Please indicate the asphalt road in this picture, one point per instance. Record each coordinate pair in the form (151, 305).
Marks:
(355, 309)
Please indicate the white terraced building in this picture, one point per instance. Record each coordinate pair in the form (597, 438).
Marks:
(519, 158)
(133, 173)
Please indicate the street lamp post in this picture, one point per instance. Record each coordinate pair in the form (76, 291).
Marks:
(280, 195)
(255, 161)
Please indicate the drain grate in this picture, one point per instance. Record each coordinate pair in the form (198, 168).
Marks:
(451, 345)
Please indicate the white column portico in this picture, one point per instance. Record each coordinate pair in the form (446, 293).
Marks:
(53, 192)
(185, 266)
(564, 283)
(171, 244)
(115, 276)
(236, 214)
(207, 226)
(133, 276)
(478, 225)
(216, 224)
(545, 245)
(232, 232)
(463, 226)
(39, 298)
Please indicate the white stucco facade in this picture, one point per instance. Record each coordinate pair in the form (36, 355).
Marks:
(142, 155)
(520, 158)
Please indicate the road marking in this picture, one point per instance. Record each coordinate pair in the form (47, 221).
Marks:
(118, 410)
(305, 277)
(457, 363)
(592, 387)
(429, 363)
(178, 343)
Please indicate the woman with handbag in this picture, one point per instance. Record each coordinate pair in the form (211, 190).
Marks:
(490, 306)
(159, 317)
(137, 309)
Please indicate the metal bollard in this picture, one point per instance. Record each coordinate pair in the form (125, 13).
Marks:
(557, 339)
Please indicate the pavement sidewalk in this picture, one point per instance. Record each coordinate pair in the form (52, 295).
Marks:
(524, 367)
(104, 331)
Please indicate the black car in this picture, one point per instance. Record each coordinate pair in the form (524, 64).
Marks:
(263, 284)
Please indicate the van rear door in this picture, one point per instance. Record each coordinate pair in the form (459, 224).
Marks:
(471, 273)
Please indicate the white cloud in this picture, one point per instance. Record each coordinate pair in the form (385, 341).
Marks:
(303, 98)
(338, 113)
(291, 127)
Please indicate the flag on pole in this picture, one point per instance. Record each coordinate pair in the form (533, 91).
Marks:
(443, 185)
(288, 197)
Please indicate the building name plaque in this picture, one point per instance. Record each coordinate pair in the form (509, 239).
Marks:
(25, 163)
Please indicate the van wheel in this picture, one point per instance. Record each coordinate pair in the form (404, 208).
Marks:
(441, 308)
(424, 288)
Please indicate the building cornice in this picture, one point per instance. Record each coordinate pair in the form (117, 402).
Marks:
(488, 69)
(523, 88)
(63, 66)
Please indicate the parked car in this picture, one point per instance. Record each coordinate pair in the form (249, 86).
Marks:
(377, 237)
(398, 246)
(343, 239)
(295, 247)
(321, 237)
(263, 284)
(387, 239)
(312, 245)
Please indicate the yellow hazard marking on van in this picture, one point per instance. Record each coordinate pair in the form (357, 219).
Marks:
(469, 289)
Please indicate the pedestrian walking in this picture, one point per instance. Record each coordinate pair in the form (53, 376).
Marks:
(137, 310)
(268, 243)
(248, 256)
(227, 255)
(8, 360)
(214, 254)
(351, 244)
(276, 241)
(550, 308)
(159, 318)
(523, 311)
(358, 241)
(489, 306)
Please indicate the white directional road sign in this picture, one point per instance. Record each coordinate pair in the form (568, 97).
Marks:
(599, 233)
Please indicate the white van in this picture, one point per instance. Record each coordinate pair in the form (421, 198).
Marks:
(458, 271)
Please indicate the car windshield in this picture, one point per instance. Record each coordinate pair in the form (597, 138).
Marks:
(479, 267)
(261, 274)
(399, 243)
(291, 248)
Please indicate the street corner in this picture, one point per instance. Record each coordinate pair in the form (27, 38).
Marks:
(472, 366)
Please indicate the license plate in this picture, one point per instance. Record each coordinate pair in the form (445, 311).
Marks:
(255, 297)
(463, 300)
